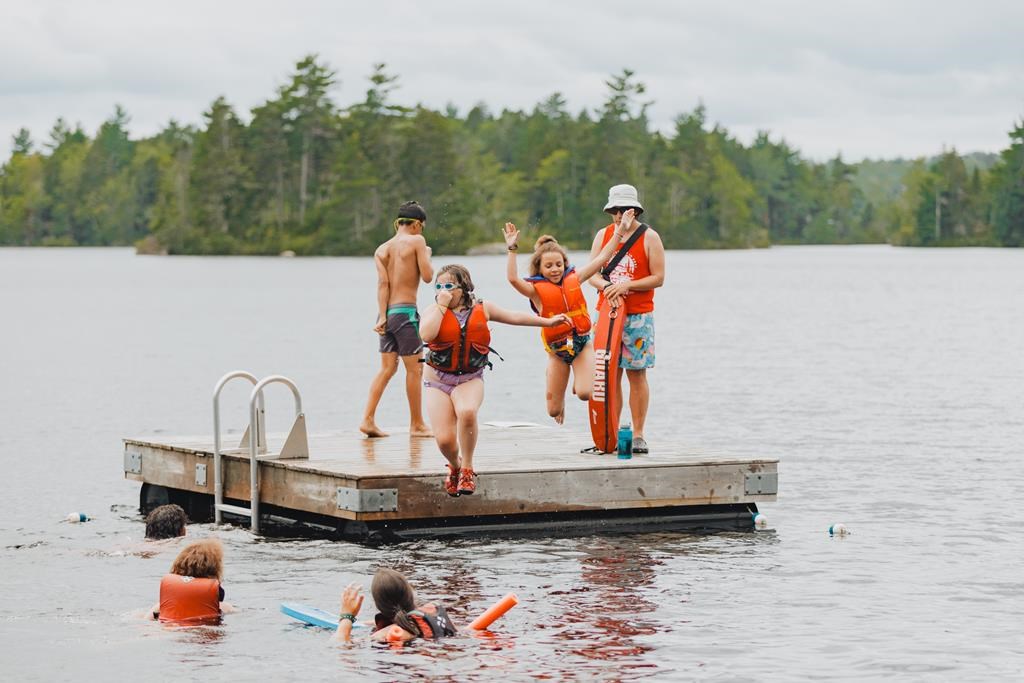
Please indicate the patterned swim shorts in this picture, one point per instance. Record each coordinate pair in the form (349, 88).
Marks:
(402, 331)
(638, 342)
(570, 347)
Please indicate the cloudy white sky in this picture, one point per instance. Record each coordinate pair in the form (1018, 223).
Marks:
(866, 78)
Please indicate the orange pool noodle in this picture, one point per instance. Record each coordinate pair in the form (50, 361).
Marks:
(394, 634)
(495, 611)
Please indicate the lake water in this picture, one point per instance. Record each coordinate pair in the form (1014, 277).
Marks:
(890, 383)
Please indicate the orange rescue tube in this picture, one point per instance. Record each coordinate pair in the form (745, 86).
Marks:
(604, 399)
(495, 611)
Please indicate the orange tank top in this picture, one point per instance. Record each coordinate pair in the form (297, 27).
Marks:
(633, 266)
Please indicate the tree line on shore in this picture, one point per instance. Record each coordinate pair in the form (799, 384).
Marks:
(308, 176)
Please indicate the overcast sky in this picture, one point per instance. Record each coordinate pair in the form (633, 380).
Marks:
(868, 79)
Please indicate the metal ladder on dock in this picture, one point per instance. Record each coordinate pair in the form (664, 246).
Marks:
(255, 439)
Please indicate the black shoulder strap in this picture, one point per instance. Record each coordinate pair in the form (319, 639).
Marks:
(621, 253)
(445, 626)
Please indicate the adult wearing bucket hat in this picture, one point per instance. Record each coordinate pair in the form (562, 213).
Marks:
(631, 284)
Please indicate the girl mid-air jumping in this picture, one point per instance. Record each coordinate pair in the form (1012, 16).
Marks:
(553, 288)
(458, 341)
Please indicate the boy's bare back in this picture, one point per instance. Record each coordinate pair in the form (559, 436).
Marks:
(405, 259)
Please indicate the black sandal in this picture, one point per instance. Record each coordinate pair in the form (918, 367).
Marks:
(593, 450)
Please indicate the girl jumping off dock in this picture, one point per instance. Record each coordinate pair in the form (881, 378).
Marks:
(553, 289)
(458, 341)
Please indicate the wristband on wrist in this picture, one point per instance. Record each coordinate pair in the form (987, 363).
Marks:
(350, 617)
(514, 247)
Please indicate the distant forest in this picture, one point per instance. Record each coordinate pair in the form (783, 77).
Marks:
(308, 176)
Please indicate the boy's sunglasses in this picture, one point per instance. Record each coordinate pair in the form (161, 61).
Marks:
(446, 285)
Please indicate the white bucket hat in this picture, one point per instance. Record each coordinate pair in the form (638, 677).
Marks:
(623, 196)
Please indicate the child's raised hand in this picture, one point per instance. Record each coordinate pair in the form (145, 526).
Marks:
(511, 236)
(351, 599)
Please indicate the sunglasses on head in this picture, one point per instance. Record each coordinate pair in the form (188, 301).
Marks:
(449, 286)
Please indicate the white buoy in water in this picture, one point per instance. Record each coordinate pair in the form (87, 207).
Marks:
(760, 521)
(838, 530)
(76, 517)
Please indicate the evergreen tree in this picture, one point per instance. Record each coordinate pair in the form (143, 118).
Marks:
(686, 216)
(365, 171)
(170, 214)
(218, 176)
(21, 142)
(953, 196)
(22, 198)
(1008, 191)
(62, 182)
(309, 116)
(107, 213)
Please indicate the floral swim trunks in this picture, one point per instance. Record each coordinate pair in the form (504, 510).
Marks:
(638, 342)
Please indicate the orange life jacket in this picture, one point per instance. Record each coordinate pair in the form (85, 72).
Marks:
(431, 620)
(461, 349)
(565, 297)
(183, 598)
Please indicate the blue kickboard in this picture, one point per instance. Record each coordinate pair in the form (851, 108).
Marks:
(312, 615)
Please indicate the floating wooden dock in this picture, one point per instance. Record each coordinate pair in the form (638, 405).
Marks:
(531, 478)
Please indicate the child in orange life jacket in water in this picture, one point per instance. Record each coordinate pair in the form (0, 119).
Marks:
(398, 618)
(192, 591)
(458, 341)
(553, 288)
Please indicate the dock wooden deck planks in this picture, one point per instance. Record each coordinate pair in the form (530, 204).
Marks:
(522, 470)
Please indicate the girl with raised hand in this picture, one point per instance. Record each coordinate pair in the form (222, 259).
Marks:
(553, 289)
(398, 617)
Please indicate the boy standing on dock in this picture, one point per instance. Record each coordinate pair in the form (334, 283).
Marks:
(401, 263)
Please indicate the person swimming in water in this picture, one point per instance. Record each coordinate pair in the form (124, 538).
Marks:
(553, 288)
(166, 521)
(398, 618)
(192, 591)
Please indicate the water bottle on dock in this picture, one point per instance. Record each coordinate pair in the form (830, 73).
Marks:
(625, 446)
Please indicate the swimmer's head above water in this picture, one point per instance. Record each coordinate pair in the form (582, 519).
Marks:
(166, 521)
(394, 597)
(201, 560)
